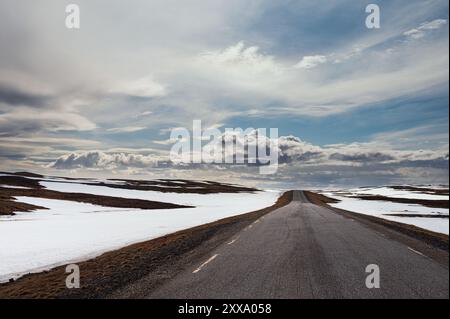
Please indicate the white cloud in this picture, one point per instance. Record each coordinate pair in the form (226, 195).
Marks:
(309, 62)
(237, 67)
(127, 129)
(187, 67)
(421, 31)
(145, 87)
(98, 160)
(301, 164)
(292, 151)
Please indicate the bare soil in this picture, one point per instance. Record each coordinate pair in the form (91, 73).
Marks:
(179, 186)
(424, 202)
(25, 174)
(19, 181)
(118, 202)
(8, 206)
(431, 191)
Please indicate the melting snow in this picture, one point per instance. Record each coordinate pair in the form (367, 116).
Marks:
(70, 231)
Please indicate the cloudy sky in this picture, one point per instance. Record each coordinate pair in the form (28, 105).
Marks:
(354, 106)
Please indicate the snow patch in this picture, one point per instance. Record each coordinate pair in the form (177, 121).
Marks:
(72, 232)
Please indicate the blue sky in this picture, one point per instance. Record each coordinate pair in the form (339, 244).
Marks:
(109, 93)
(362, 124)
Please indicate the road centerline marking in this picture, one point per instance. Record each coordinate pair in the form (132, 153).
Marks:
(205, 263)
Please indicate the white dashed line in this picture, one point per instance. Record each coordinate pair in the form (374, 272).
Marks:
(231, 242)
(205, 263)
(417, 252)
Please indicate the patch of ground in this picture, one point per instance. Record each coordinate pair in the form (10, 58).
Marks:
(320, 199)
(24, 174)
(12, 180)
(178, 186)
(428, 237)
(159, 185)
(9, 206)
(21, 179)
(157, 260)
(424, 202)
(431, 191)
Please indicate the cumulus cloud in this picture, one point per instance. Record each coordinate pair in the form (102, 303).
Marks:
(104, 161)
(293, 149)
(309, 62)
(290, 149)
(301, 164)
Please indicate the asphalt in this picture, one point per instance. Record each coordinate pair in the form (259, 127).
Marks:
(306, 251)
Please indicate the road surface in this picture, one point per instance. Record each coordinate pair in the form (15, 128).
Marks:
(306, 251)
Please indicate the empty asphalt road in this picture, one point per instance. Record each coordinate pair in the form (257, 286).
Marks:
(306, 251)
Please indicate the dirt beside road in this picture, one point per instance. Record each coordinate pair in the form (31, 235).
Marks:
(112, 274)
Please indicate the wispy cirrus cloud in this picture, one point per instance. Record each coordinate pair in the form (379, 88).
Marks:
(421, 31)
